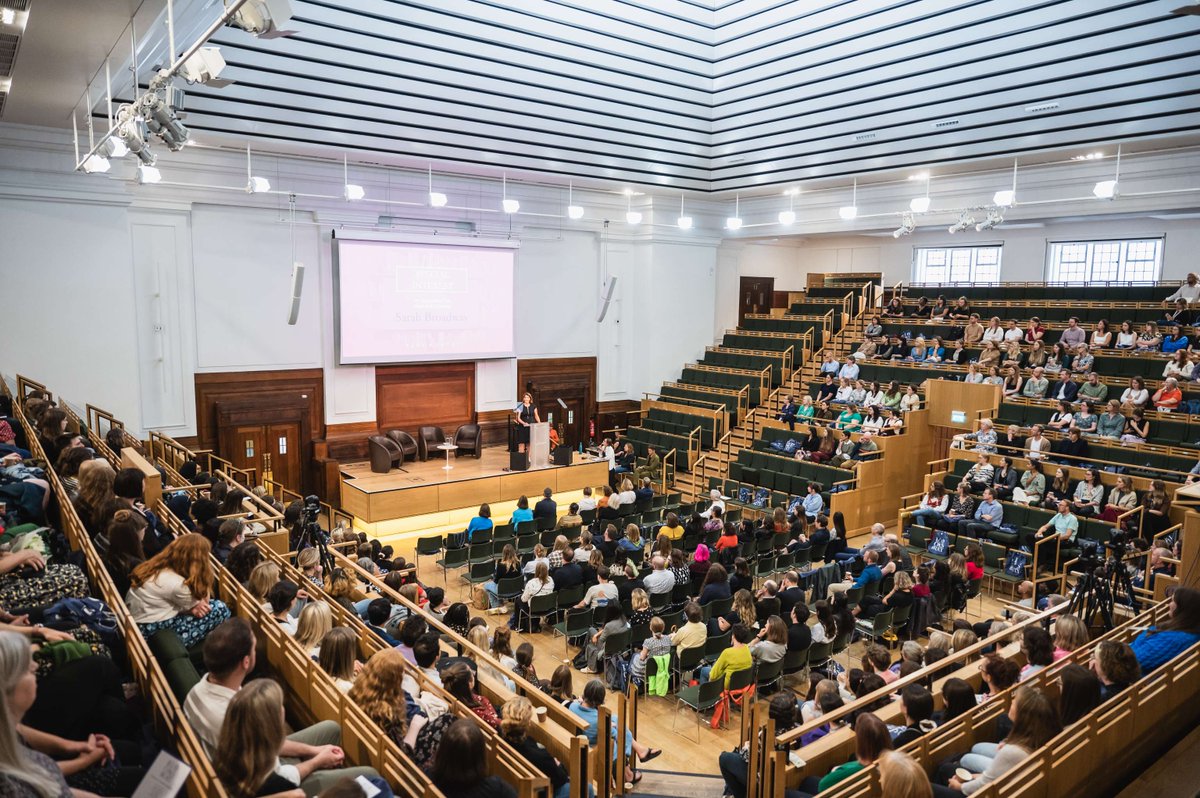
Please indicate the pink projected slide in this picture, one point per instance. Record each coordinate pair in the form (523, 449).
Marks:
(402, 302)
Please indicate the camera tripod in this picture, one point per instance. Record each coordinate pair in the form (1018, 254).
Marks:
(307, 532)
(1097, 589)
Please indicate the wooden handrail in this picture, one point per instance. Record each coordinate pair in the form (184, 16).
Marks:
(168, 713)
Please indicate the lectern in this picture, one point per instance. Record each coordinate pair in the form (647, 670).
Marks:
(539, 445)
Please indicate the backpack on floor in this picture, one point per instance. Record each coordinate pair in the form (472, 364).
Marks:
(616, 672)
(92, 613)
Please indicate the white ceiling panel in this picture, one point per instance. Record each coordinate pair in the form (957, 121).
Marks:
(702, 95)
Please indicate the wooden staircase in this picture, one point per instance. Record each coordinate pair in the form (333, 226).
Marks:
(715, 462)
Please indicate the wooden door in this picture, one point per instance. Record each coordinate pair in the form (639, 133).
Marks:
(269, 437)
(572, 421)
(245, 446)
(756, 294)
(268, 449)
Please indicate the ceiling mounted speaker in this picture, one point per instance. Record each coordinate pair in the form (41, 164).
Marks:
(297, 287)
(608, 292)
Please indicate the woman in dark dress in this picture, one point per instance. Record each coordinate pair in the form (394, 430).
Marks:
(525, 415)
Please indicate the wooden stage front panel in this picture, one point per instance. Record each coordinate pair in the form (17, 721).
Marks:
(376, 498)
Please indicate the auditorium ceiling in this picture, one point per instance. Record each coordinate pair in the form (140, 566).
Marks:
(709, 96)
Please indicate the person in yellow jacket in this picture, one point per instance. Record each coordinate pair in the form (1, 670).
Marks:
(733, 659)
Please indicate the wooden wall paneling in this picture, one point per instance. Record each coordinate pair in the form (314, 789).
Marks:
(265, 390)
(611, 415)
(413, 395)
(573, 379)
(493, 424)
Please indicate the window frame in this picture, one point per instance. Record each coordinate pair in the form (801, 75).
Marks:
(973, 267)
(1120, 266)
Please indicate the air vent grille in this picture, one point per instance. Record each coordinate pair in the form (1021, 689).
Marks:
(945, 123)
(8, 53)
(864, 136)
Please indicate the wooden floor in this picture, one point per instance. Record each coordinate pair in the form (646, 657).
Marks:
(682, 753)
(492, 461)
(1176, 775)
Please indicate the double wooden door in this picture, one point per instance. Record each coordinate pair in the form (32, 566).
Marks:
(756, 295)
(271, 441)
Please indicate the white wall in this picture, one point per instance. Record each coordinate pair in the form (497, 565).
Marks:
(143, 287)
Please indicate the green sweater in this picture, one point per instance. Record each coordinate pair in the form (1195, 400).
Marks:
(732, 659)
(839, 773)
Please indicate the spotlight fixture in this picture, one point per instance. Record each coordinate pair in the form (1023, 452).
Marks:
(162, 121)
(132, 131)
(684, 222)
(258, 185)
(965, 221)
(263, 18)
(205, 66)
(96, 163)
(849, 212)
(920, 204)
(573, 211)
(789, 216)
(436, 198)
(907, 225)
(509, 205)
(147, 175)
(734, 223)
(351, 191)
(1109, 189)
(993, 218)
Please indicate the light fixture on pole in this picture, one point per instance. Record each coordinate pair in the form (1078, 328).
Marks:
(436, 198)
(734, 223)
(352, 191)
(993, 218)
(509, 205)
(684, 222)
(631, 216)
(573, 211)
(849, 212)
(789, 216)
(920, 204)
(1109, 189)
(255, 184)
(965, 221)
(907, 225)
(1006, 197)
(263, 18)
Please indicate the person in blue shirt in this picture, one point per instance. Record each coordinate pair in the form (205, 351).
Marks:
(522, 513)
(935, 352)
(1180, 631)
(988, 516)
(481, 522)
(587, 708)
(1174, 340)
(870, 574)
(813, 504)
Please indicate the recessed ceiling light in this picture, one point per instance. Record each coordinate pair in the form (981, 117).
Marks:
(8, 16)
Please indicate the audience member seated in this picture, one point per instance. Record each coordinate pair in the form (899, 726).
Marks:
(172, 591)
(1179, 632)
(587, 706)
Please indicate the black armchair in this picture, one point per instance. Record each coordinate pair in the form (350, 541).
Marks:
(428, 439)
(384, 453)
(408, 446)
(469, 440)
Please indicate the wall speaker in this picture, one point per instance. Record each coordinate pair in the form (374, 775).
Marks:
(297, 287)
(607, 297)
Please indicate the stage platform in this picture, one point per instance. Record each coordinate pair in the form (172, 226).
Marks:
(429, 497)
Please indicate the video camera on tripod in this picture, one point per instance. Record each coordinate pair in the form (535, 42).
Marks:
(1104, 578)
(307, 532)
